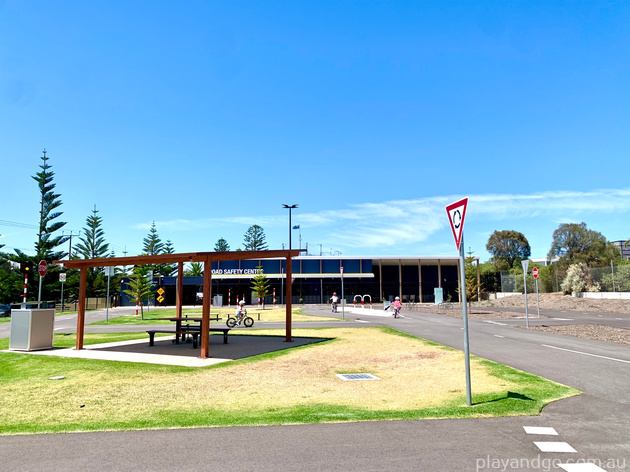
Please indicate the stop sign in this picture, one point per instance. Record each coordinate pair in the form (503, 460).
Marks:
(535, 272)
(42, 268)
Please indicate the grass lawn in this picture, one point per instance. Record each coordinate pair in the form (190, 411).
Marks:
(418, 379)
(269, 314)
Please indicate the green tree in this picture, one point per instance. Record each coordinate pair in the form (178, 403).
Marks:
(255, 239)
(152, 245)
(196, 270)
(221, 246)
(166, 270)
(508, 247)
(92, 245)
(574, 243)
(260, 285)
(139, 287)
(49, 203)
(472, 284)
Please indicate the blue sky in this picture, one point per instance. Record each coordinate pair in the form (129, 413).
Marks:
(206, 117)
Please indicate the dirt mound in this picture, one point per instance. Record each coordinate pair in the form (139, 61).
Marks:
(558, 301)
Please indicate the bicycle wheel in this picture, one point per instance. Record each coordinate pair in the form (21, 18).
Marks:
(231, 322)
(249, 322)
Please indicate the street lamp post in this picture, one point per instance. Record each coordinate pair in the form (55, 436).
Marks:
(290, 207)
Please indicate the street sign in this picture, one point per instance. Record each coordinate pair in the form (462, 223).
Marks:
(62, 277)
(160, 299)
(42, 268)
(160, 291)
(525, 264)
(456, 215)
(535, 272)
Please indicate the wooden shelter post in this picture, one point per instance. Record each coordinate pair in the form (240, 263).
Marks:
(180, 288)
(289, 298)
(81, 308)
(205, 317)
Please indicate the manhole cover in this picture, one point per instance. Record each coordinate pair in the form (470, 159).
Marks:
(357, 377)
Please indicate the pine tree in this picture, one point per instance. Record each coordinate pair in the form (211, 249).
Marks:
(93, 246)
(49, 201)
(260, 285)
(139, 287)
(166, 270)
(221, 246)
(152, 244)
(255, 239)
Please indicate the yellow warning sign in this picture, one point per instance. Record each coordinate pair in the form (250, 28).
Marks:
(160, 291)
(160, 299)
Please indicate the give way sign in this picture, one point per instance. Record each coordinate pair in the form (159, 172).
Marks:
(456, 215)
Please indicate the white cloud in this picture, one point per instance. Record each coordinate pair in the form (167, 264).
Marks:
(404, 222)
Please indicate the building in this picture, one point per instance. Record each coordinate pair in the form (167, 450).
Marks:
(315, 278)
(625, 250)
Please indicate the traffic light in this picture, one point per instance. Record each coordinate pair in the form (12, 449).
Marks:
(26, 267)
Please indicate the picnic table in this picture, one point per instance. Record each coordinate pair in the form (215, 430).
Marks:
(192, 326)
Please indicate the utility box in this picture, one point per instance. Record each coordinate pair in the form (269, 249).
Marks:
(438, 292)
(32, 329)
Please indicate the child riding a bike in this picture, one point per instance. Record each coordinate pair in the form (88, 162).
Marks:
(240, 317)
(397, 306)
(241, 311)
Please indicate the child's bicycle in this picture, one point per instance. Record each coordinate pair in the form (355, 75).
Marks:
(396, 312)
(238, 320)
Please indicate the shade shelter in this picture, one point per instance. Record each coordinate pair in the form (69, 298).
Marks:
(206, 257)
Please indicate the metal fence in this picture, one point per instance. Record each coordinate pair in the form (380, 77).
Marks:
(612, 279)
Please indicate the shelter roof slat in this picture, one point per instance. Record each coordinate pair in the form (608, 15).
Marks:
(173, 258)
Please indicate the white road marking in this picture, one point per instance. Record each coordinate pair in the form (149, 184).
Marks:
(587, 354)
(495, 322)
(540, 430)
(581, 467)
(620, 319)
(497, 336)
(362, 321)
(563, 319)
(550, 446)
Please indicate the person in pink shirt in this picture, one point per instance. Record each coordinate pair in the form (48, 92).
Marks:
(397, 306)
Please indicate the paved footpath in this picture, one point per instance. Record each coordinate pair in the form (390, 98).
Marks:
(592, 427)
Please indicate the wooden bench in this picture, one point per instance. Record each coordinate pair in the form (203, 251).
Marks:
(194, 334)
(194, 330)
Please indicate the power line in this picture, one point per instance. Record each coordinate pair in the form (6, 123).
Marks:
(15, 224)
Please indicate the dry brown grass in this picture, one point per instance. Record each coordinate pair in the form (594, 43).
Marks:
(414, 375)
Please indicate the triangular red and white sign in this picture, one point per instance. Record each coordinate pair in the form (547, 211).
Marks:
(456, 214)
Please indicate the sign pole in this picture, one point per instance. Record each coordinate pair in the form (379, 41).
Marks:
(343, 297)
(537, 298)
(62, 279)
(465, 318)
(525, 264)
(107, 301)
(456, 214)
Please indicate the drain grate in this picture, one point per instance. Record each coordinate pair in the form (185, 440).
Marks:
(357, 377)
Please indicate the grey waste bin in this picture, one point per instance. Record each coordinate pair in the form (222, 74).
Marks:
(32, 329)
(218, 300)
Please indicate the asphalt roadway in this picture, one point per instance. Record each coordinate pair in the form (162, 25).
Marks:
(596, 425)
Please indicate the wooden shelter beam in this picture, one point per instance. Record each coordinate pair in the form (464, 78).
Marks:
(81, 307)
(205, 316)
(179, 303)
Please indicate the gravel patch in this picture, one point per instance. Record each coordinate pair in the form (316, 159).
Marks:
(596, 332)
